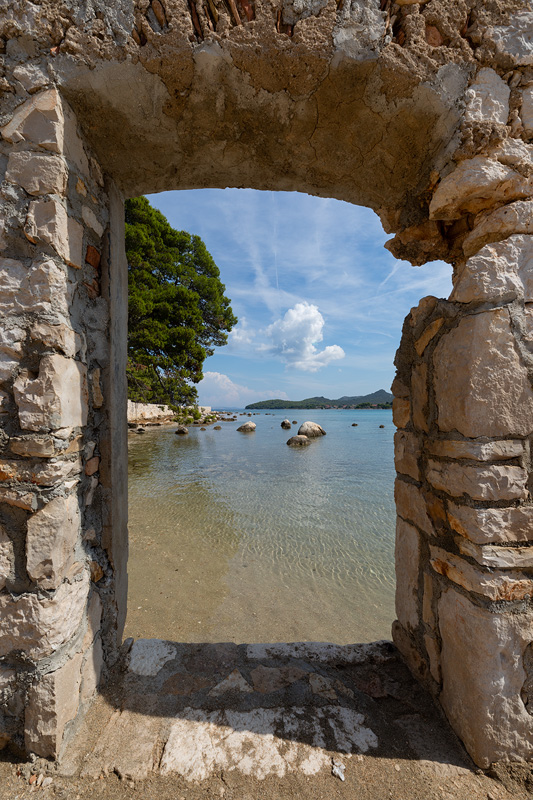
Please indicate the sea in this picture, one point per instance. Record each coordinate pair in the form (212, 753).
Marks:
(237, 537)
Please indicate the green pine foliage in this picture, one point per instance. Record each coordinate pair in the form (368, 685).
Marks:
(178, 312)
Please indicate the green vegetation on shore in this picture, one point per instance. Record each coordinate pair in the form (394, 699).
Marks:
(178, 311)
(379, 399)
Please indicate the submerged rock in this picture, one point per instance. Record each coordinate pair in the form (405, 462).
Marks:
(248, 427)
(295, 422)
(299, 441)
(311, 429)
(286, 424)
(217, 428)
(182, 429)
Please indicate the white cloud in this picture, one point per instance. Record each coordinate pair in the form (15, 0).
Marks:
(293, 339)
(217, 389)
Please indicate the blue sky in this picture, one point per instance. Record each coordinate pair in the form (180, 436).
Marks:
(320, 302)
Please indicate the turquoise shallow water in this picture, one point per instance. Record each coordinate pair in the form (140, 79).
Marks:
(239, 537)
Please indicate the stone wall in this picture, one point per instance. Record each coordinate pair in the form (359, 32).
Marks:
(56, 577)
(419, 110)
(148, 412)
(464, 411)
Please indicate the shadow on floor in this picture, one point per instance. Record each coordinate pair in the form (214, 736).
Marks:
(197, 710)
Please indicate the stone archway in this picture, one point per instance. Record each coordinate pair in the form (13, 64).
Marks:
(423, 112)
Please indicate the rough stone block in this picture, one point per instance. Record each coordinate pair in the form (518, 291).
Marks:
(514, 39)
(18, 498)
(90, 219)
(53, 702)
(526, 112)
(497, 586)
(39, 625)
(401, 412)
(485, 525)
(45, 473)
(500, 271)
(419, 398)
(487, 99)
(56, 399)
(39, 120)
(498, 225)
(60, 336)
(31, 76)
(481, 483)
(477, 451)
(432, 329)
(48, 222)
(411, 506)
(481, 386)
(30, 446)
(41, 288)
(37, 173)
(51, 540)
(406, 453)
(475, 184)
(407, 559)
(483, 677)
(97, 396)
(11, 338)
(494, 556)
(428, 615)
(433, 651)
(6, 556)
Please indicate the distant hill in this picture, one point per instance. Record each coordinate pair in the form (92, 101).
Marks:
(379, 399)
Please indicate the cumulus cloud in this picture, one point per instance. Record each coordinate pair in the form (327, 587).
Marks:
(217, 389)
(293, 338)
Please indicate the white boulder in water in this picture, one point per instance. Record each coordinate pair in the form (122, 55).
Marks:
(286, 424)
(299, 441)
(248, 427)
(311, 429)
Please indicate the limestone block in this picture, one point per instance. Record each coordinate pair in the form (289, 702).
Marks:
(481, 483)
(45, 473)
(401, 412)
(500, 271)
(39, 120)
(406, 453)
(40, 625)
(17, 498)
(499, 224)
(494, 556)
(475, 450)
(496, 585)
(8, 366)
(53, 702)
(483, 675)
(481, 386)
(483, 525)
(89, 217)
(92, 670)
(428, 615)
(407, 559)
(41, 288)
(6, 556)
(48, 222)
(29, 446)
(526, 112)
(419, 313)
(419, 398)
(411, 506)
(56, 399)
(59, 336)
(51, 540)
(37, 173)
(514, 39)
(487, 99)
(11, 338)
(31, 76)
(513, 152)
(475, 184)
(399, 389)
(432, 329)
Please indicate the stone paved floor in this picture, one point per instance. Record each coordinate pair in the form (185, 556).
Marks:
(254, 722)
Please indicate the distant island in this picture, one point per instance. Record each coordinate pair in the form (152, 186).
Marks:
(379, 399)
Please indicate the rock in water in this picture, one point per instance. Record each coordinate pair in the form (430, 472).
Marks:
(286, 424)
(298, 441)
(311, 429)
(182, 429)
(248, 427)
(217, 428)
(295, 422)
